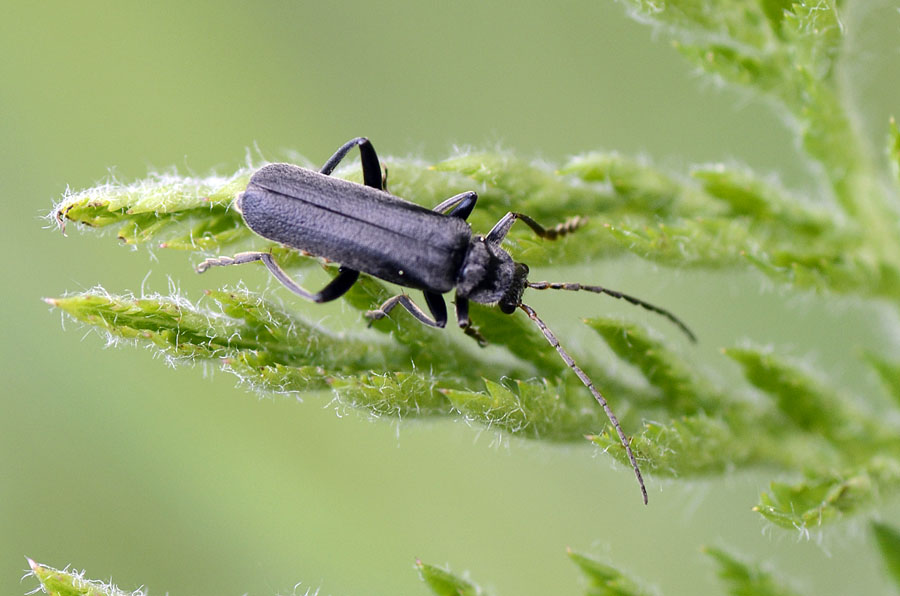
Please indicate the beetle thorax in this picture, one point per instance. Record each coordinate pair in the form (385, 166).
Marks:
(489, 275)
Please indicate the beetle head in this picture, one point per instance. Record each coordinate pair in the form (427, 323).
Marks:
(513, 296)
(489, 275)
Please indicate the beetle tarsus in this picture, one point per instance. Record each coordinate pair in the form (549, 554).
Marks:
(473, 332)
(374, 315)
(238, 259)
(499, 231)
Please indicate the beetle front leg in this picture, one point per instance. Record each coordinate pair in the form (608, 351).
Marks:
(462, 319)
(407, 303)
(335, 289)
(499, 231)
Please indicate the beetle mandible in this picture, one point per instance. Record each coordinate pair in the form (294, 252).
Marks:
(365, 229)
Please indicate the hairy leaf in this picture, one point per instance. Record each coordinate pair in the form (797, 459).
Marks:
(888, 540)
(445, 583)
(825, 498)
(56, 582)
(744, 579)
(603, 579)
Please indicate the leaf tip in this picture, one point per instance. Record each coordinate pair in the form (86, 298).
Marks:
(40, 572)
(59, 216)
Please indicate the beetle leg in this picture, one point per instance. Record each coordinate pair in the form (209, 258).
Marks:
(473, 332)
(437, 306)
(407, 303)
(461, 205)
(462, 318)
(238, 259)
(371, 167)
(499, 231)
(338, 286)
(335, 289)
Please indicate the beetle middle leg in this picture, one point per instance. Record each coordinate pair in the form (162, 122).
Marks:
(438, 309)
(371, 167)
(500, 229)
(335, 289)
(434, 300)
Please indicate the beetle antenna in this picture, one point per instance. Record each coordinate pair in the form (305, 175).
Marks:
(590, 385)
(546, 285)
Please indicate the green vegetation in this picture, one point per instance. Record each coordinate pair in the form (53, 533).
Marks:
(834, 454)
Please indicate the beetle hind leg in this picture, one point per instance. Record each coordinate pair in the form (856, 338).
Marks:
(460, 205)
(335, 289)
(238, 259)
(371, 167)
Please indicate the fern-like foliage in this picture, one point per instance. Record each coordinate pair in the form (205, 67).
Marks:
(64, 582)
(601, 579)
(835, 453)
(888, 539)
(739, 578)
(698, 428)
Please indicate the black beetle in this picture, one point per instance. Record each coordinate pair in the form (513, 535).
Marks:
(366, 229)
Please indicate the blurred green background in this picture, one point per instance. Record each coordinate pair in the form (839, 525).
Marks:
(176, 479)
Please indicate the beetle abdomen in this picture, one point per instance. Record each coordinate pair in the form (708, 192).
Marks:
(357, 226)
